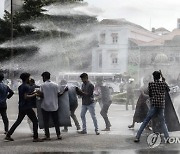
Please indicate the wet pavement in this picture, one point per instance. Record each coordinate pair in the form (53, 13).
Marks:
(118, 140)
(114, 152)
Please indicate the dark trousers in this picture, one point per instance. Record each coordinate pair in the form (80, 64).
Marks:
(73, 116)
(46, 116)
(154, 111)
(130, 99)
(4, 118)
(22, 113)
(104, 112)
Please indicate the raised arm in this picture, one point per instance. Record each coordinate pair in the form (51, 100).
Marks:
(163, 79)
(61, 93)
(10, 93)
(150, 90)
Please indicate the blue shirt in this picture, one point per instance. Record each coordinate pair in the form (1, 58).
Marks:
(4, 92)
(24, 103)
(33, 99)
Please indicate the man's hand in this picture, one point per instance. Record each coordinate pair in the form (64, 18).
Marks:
(79, 91)
(39, 93)
(163, 79)
(77, 88)
(66, 89)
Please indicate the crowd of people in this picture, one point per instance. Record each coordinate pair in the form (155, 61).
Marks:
(49, 92)
(151, 103)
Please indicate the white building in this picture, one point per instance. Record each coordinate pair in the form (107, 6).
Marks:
(113, 36)
(17, 4)
(162, 53)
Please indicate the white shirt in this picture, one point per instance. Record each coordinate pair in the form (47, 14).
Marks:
(50, 99)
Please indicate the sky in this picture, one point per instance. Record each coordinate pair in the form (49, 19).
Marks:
(147, 13)
(1, 8)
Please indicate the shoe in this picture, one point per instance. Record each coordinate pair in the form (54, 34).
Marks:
(97, 133)
(5, 132)
(65, 130)
(82, 132)
(78, 128)
(106, 129)
(46, 138)
(136, 140)
(8, 138)
(148, 128)
(59, 137)
(38, 140)
(167, 142)
(131, 126)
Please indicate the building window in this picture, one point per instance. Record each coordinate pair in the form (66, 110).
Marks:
(114, 58)
(177, 57)
(171, 58)
(114, 37)
(102, 38)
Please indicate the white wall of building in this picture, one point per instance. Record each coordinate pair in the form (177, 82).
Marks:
(111, 50)
(118, 49)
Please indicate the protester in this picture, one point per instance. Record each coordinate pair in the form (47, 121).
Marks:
(102, 95)
(49, 93)
(157, 91)
(87, 103)
(73, 103)
(5, 93)
(141, 106)
(130, 94)
(25, 108)
(33, 87)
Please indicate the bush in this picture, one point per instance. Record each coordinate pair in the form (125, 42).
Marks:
(119, 98)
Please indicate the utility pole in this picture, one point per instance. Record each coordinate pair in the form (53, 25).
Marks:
(12, 51)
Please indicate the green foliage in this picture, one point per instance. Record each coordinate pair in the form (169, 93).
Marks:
(33, 8)
(5, 53)
(119, 98)
(18, 29)
(5, 30)
(30, 10)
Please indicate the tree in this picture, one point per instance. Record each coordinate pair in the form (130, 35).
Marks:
(66, 37)
(31, 9)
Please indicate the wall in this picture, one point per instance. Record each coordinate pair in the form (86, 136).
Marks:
(107, 47)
